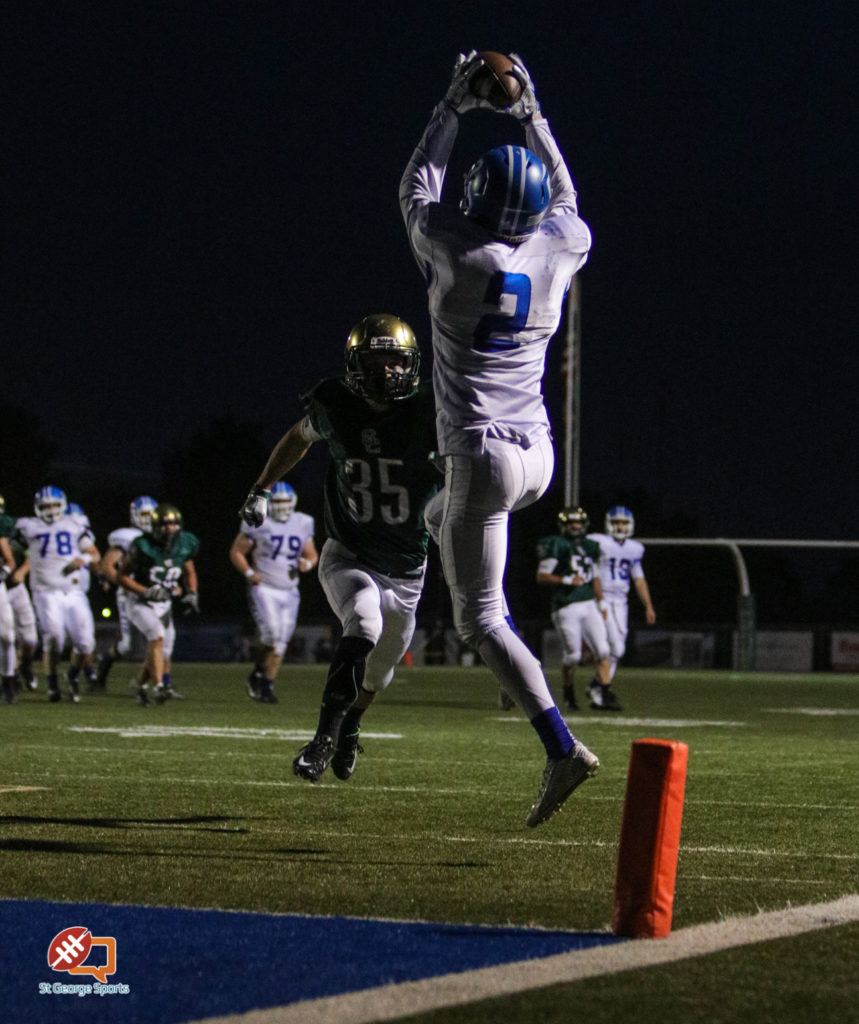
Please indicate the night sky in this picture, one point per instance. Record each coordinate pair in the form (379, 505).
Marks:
(201, 199)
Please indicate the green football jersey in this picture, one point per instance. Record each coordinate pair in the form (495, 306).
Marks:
(8, 529)
(379, 477)
(574, 558)
(151, 564)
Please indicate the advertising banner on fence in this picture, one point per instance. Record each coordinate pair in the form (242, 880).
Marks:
(845, 652)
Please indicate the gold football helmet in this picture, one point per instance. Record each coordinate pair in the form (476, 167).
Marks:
(165, 522)
(573, 522)
(382, 358)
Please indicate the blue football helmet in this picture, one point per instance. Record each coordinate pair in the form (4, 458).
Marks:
(73, 509)
(507, 192)
(140, 512)
(619, 522)
(49, 504)
(281, 503)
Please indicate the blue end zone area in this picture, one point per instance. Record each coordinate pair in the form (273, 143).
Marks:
(182, 965)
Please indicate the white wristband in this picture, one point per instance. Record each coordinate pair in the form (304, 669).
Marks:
(602, 605)
(86, 558)
(567, 580)
(249, 572)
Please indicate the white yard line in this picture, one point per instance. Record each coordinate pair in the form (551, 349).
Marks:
(814, 712)
(390, 1002)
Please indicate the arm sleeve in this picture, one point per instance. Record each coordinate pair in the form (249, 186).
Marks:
(423, 178)
(541, 142)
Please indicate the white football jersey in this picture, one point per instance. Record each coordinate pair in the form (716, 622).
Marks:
(123, 537)
(51, 546)
(620, 562)
(494, 305)
(83, 576)
(277, 547)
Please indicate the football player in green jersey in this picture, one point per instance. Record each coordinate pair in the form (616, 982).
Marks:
(23, 615)
(157, 567)
(568, 563)
(379, 424)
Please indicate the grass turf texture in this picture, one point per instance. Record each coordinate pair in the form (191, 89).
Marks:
(431, 827)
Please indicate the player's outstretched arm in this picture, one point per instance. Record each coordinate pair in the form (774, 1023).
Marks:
(289, 450)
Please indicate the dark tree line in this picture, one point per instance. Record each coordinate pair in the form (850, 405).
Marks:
(208, 476)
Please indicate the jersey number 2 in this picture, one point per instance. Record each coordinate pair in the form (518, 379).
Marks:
(504, 291)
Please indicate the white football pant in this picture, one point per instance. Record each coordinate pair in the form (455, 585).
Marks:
(470, 519)
(617, 627)
(579, 621)
(275, 613)
(155, 622)
(65, 613)
(372, 605)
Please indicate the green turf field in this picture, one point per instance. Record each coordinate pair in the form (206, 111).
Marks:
(194, 804)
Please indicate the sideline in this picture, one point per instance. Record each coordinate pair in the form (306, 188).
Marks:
(390, 1002)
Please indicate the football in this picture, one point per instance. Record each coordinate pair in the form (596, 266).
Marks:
(495, 81)
(69, 948)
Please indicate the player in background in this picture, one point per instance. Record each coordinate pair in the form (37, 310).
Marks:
(23, 615)
(568, 563)
(140, 517)
(497, 267)
(7, 625)
(158, 567)
(84, 581)
(271, 557)
(379, 427)
(59, 546)
(621, 562)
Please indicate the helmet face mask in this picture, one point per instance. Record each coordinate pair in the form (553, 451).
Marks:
(619, 522)
(140, 512)
(282, 502)
(166, 523)
(382, 359)
(507, 192)
(50, 504)
(573, 522)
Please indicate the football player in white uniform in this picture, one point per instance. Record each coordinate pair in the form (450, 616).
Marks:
(59, 546)
(620, 562)
(271, 557)
(498, 267)
(140, 516)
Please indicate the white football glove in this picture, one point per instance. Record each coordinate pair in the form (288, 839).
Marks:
(5, 572)
(255, 507)
(526, 107)
(459, 96)
(190, 603)
(156, 593)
